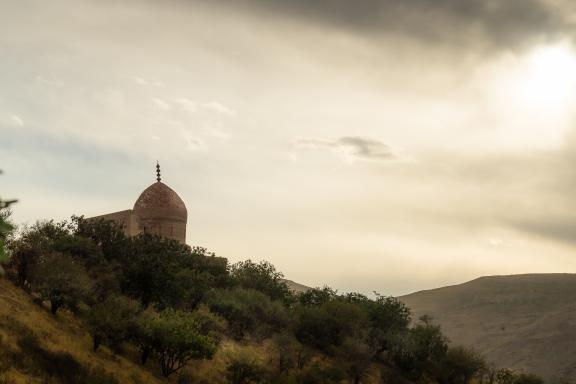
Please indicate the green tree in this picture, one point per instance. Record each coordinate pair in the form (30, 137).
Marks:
(31, 246)
(261, 277)
(388, 316)
(326, 326)
(113, 321)
(168, 273)
(106, 235)
(460, 366)
(419, 351)
(316, 296)
(176, 337)
(6, 229)
(245, 368)
(61, 280)
(248, 311)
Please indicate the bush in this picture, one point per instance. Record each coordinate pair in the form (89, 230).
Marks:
(61, 280)
(261, 277)
(326, 326)
(113, 321)
(460, 366)
(245, 368)
(176, 337)
(248, 312)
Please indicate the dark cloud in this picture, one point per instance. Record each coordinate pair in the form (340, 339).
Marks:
(357, 147)
(561, 229)
(491, 23)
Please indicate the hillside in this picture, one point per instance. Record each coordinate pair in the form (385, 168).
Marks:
(525, 322)
(35, 344)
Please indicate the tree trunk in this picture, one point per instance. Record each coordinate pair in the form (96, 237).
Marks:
(145, 355)
(96, 341)
(53, 307)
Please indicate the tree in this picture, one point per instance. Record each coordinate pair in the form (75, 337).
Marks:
(460, 366)
(419, 351)
(316, 296)
(261, 277)
(61, 280)
(113, 321)
(326, 326)
(388, 316)
(168, 273)
(107, 235)
(30, 247)
(245, 368)
(5, 229)
(176, 337)
(248, 311)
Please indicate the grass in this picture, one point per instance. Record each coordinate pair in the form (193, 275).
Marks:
(36, 347)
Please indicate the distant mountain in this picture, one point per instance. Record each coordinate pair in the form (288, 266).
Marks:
(296, 287)
(525, 322)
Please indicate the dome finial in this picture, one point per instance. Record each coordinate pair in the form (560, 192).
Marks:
(158, 171)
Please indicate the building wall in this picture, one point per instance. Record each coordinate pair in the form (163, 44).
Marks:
(165, 227)
(126, 219)
(133, 225)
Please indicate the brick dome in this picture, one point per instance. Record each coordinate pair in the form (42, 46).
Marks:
(162, 212)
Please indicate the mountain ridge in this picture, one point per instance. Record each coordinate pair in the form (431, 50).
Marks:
(517, 321)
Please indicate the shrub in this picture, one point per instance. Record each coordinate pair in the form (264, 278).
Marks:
(112, 321)
(326, 326)
(245, 368)
(248, 311)
(261, 277)
(61, 280)
(176, 337)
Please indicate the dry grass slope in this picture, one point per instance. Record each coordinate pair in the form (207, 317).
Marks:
(63, 338)
(525, 322)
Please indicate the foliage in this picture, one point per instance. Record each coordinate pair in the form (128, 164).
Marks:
(261, 277)
(418, 351)
(245, 368)
(327, 325)
(316, 296)
(176, 337)
(176, 303)
(248, 311)
(113, 321)
(61, 280)
(460, 366)
(5, 229)
(388, 316)
(317, 374)
(32, 244)
(168, 273)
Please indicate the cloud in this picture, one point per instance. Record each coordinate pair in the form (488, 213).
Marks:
(218, 108)
(214, 107)
(501, 23)
(351, 147)
(16, 120)
(161, 105)
(148, 83)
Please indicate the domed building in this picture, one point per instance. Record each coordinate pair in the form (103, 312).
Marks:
(157, 211)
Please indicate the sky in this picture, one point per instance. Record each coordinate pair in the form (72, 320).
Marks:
(370, 145)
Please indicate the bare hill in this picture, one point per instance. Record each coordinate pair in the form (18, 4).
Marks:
(524, 322)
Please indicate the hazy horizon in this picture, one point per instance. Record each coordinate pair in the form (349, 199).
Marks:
(370, 146)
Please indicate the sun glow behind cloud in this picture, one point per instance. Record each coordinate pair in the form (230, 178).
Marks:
(533, 96)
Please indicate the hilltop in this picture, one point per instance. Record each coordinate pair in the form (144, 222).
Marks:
(526, 322)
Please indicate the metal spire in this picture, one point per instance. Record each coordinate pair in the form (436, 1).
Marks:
(158, 171)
